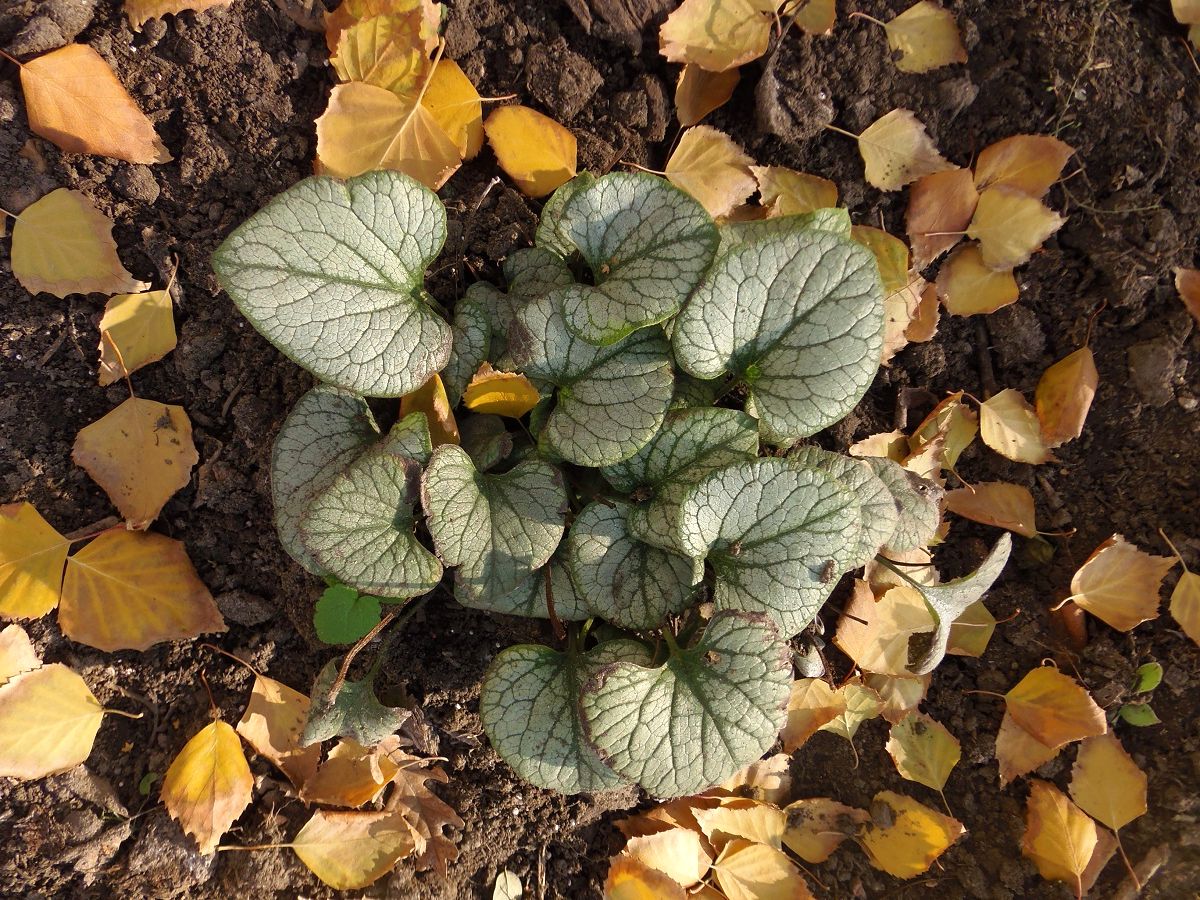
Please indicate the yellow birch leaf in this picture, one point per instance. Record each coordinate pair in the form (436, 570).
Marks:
(816, 826)
(74, 100)
(955, 421)
(927, 463)
(1107, 784)
(1053, 708)
(386, 51)
(1187, 283)
(140, 11)
(128, 590)
(1009, 425)
(350, 850)
(972, 631)
(899, 307)
(766, 780)
(1064, 395)
(967, 287)
(1187, 12)
(48, 722)
(700, 91)
(430, 399)
(708, 165)
(996, 503)
(890, 254)
(677, 813)
(918, 566)
(1010, 226)
(749, 871)
(142, 329)
(924, 322)
(940, 206)
(1185, 604)
(923, 750)
(1018, 752)
(348, 12)
(862, 705)
(1119, 583)
(811, 704)
(762, 823)
(500, 393)
(352, 775)
(718, 34)
(273, 724)
(817, 16)
(786, 192)
(208, 785)
(17, 655)
(1059, 838)
(455, 104)
(904, 837)
(926, 37)
(900, 695)
(630, 879)
(365, 128)
(891, 445)
(63, 245)
(678, 854)
(141, 453)
(1028, 163)
(897, 151)
(535, 151)
(32, 554)
(1194, 36)
(881, 644)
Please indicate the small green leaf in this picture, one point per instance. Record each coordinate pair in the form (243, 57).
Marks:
(1147, 677)
(361, 528)
(1139, 715)
(691, 444)
(624, 580)
(147, 783)
(343, 615)
(694, 721)
(486, 439)
(495, 528)
(332, 274)
(528, 599)
(777, 537)
(798, 315)
(355, 712)
(917, 500)
(647, 244)
(610, 400)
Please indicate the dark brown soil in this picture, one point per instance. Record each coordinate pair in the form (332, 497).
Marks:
(234, 95)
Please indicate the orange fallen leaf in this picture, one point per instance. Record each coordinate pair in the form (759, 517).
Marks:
(48, 722)
(1186, 12)
(967, 287)
(1010, 225)
(500, 393)
(904, 837)
(140, 11)
(900, 694)
(1187, 282)
(208, 785)
(926, 37)
(141, 453)
(455, 104)
(128, 590)
(1119, 584)
(700, 91)
(996, 503)
(430, 399)
(817, 826)
(386, 51)
(1064, 396)
(63, 245)
(749, 871)
(811, 704)
(1107, 784)
(74, 100)
(32, 554)
(876, 634)
(1053, 708)
(535, 151)
(273, 724)
(897, 151)
(1059, 838)
(737, 817)
(135, 330)
(766, 780)
(786, 192)
(1018, 752)
(956, 422)
(353, 775)
(630, 879)
(924, 323)
(424, 810)
(17, 655)
(679, 854)
(712, 168)
(1009, 425)
(718, 34)
(1029, 163)
(350, 850)
(940, 206)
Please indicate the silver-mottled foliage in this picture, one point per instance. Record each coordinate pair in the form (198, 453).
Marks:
(917, 502)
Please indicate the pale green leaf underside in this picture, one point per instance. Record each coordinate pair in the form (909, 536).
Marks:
(361, 529)
(625, 581)
(647, 244)
(707, 712)
(495, 528)
(771, 531)
(799, 317)
(332, 274)
(354, 713)
(610, 400)
(917, 501)
(528, 599)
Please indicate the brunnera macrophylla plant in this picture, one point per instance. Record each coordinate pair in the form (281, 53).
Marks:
(651, 500)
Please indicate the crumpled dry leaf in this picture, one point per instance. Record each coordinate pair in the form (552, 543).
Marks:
(431, 400)
(500, 393)
(736, 817)
(881, 645)
(862, 705)
(926, 37)
(1064, 396)
(956, 422)
(1010, 426)
(424, 810)
(924, 323)
(940, 207)
(352, 775)
(700, 91)
(535, 151)
(967, 287)
(897, 151)
(1119, 584)
(766, 780)
(712, 168)
(900, 695)
(996, 503)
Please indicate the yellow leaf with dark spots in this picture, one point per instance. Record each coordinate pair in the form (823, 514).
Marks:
(904, 837)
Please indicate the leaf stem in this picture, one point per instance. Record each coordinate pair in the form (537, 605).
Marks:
(670, 639)
(237, 659)
(871, 19)
(843, 131)
(336, 687)
(890, 565)
(1137, 883)
(120, 712)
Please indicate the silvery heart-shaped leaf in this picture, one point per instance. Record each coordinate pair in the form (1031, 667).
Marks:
(332, 273)
(880, 513)
(495, 528)
(707, 712)
(777, 537)
(797, 316)
(485, 438)
(472, 341)
(734, 234)
(529, 706)
(361, 528)
(691, 392)
(950, 600)
(552, 233)
(410, 438)
(624, 580)
(528, 599)
(610, 400)
(917, 500)
(691, 444)
(354, 712)
(646, 243)
(326, 430)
